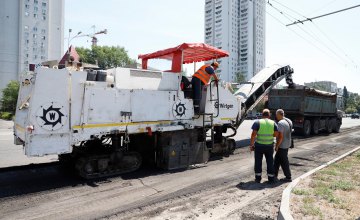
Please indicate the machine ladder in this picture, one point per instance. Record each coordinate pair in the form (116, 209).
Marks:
(209, 117)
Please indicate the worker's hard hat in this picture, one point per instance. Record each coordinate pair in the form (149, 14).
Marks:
(215, 64)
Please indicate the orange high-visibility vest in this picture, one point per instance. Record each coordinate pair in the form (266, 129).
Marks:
(203, 75)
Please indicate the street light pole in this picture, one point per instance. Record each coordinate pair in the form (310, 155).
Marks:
(68, 50)
(68, 44)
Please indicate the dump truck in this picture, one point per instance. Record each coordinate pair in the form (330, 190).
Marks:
(108, 122)
(310, 110)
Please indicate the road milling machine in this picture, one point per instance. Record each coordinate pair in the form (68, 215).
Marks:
(108, 122)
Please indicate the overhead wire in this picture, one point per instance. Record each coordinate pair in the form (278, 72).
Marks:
(323, 15)
(333, 42)
(311, 34)
(288, 8)
(308, 41)
(322, 32)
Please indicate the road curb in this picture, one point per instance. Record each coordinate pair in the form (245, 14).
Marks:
(284, 213)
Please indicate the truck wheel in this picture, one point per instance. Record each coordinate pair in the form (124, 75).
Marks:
(329, 126)
(315, 127)
(306, 128)
(337, 126)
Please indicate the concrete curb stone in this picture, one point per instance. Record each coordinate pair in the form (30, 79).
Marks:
(284, 213)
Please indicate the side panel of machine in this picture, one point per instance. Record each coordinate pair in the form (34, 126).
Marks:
(110, 105)
(105, 105)
(103, 109)
(152, 105)
(49, 114)
(78, 80)
(22, 107)
(224, 106)
(180, 149)
(229, 106)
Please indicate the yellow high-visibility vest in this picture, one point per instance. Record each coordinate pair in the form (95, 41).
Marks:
(265, 135)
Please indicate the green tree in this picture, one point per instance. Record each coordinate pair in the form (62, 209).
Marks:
(9, 97)
(240, 77)
(357, 101)
(350, 110)
(346, 96)
(105, 56)
(352, 103)
(85, 54)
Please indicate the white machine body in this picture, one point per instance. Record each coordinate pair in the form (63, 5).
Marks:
(59, 108)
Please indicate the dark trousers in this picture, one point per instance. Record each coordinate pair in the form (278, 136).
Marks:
(260, 151)
(197, 86)
(281, 159)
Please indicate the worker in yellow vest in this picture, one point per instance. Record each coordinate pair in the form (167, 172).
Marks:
(200, 78)
(262, 142)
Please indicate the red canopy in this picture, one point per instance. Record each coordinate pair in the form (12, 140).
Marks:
(187, 53)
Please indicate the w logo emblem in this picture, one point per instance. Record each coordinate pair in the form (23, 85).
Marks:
(52, 116)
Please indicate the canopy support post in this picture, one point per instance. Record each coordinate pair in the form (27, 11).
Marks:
(182, 60)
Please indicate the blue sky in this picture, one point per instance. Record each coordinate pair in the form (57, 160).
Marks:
(143, 26)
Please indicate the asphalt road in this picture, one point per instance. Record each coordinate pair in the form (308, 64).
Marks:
(220, 189)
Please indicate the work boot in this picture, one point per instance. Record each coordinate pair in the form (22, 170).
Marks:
(271, 180)
(257, 180)
(286, 179)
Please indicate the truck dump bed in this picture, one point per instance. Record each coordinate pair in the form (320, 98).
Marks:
(304, 101)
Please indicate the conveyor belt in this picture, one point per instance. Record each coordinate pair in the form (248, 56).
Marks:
(254, 90)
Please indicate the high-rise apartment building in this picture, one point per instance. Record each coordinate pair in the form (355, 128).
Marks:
(237, 26)
(32, 32)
